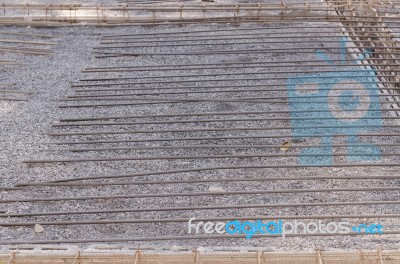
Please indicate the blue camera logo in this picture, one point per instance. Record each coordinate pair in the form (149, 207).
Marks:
(341, 102)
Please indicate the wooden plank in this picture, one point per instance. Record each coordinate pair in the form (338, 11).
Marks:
(366, 257)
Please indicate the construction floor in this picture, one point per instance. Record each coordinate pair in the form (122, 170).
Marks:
(120, 135)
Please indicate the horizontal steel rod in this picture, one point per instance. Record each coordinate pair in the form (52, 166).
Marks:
(150, 1)
(197, 180)
(78, 119)
(28, 34)
(93, 20)
(157, 101)
(17, 41)
(13, 99)
(14, 91)
(218, 120)
(255, 36)
(248, 19)
(202, 67)
(242, 79)
(19, 50)
(300, 50)
(7, 84)
(197, 208)
(195, 147)
(235, 99)
(215, 88)
(320, 41)
(188, 237)
(23, 49)
(214, 168)
(311, 26)
(97, 95)
(271, 31)
(269, 35)
(145, 3)
(228, 41)
(264, 63)
(190, 194)
(10, 62)
(144, 131)
(216, 91)
(148, 158)
(362, 72)
(209, 138)
(234, 8)
(326, 15)
(5, 188)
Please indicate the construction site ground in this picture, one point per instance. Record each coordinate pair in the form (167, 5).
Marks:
(234, 103)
